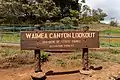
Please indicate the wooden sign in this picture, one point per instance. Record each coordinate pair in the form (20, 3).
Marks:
(33, 40)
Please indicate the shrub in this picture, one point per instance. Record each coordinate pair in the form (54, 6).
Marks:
(44, 57)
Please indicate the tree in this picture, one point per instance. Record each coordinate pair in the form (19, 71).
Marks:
(22, 11)
(39, 11)
(98, 15)
(101, 14)
(113, 22)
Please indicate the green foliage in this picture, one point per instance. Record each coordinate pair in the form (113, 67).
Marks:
(113, 23)
(86, 20)
(31, 13)
(74, 13)
(38, 12)
(98, 15)
(43, 56)
(70, 21)
(66, 20)
(88, 15)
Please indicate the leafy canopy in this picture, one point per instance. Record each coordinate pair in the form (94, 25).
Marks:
(40, 11)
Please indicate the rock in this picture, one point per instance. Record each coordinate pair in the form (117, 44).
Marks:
(38, 75)
(86, 72)
(114, 77)
(95, 68)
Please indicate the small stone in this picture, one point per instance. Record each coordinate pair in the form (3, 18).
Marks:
(86, 72)
(38, 75)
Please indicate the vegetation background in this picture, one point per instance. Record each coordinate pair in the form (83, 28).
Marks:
(33, 12)
(16, 15)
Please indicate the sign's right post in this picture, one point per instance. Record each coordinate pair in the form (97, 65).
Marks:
(85, 52)
(85, 58)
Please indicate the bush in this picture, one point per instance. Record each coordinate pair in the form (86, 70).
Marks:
(44, 57)
(114, 23)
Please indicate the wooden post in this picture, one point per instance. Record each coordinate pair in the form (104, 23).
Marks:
(38, 75)
(85, 52)
(85, 59)
(37, 61)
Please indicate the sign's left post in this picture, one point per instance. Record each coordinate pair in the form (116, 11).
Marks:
(37, 61)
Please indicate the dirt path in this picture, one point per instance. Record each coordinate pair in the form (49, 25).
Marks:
(24, 73)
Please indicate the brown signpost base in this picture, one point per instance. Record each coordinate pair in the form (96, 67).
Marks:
(85, 59)
(37, 61)
(38, 75)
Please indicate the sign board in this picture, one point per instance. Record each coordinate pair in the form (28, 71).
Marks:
(68, 40)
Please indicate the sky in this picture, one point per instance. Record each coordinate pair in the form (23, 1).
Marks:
(111, 7)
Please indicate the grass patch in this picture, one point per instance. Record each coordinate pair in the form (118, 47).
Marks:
(17, 56)
(106, 44)
(112, 31)
(75, 56)
(61, 62)
(113, 51)
(14, 37)
(105, 56)
(4, 52)
(13, 57)
(7, 52)
(96, 57)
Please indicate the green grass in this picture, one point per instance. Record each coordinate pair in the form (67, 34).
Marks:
(95, 57)
(106, 44)
(105, 56)
(7, 51)
(112, 31)
(15, 38)
(113, 51)
(61, 63)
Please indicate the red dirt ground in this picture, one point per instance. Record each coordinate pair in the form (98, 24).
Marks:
(11, 69)
(24, 73)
